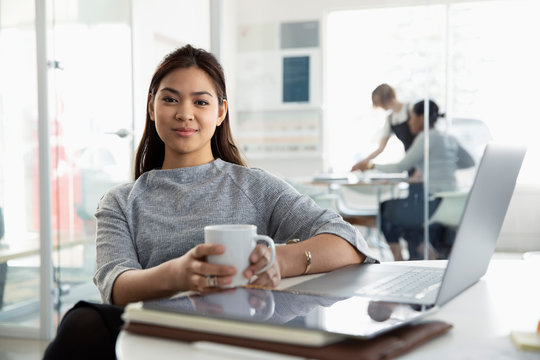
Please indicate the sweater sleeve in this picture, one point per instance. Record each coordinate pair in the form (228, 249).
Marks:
(115, 251)
(464, 159)
(413, 157)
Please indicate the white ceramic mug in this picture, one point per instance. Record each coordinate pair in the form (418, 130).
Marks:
(239, 241)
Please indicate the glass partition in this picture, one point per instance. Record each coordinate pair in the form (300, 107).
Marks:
(469, 65)
(330, 123)
(91, 133)
(450, 54)
(90, 124)
(91, 54)
(376, 87)
(19, 191)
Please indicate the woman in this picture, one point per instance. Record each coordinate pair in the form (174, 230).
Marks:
(189, 174)
(384, 97)
(403, 217)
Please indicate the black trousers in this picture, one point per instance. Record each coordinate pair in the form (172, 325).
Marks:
(87, 331)
(405, 218)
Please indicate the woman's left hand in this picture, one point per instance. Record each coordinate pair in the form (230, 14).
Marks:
(259, 258)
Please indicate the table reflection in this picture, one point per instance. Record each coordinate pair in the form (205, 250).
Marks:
(353, 316)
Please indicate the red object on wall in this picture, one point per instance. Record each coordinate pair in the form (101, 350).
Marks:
(65, 182)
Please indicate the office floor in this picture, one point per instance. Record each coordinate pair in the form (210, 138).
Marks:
(20, 349)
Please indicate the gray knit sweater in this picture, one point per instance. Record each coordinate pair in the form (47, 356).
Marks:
(162, 215)
(446, 155)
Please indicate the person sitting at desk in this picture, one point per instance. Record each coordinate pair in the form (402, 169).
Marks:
(384, 97)
(190, 174)
(404, 217)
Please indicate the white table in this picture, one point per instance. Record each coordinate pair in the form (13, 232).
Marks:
(506, 299)
(386, 182)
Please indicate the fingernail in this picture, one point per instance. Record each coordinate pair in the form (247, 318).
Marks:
(248, 274)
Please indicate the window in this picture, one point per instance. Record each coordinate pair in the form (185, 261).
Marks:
(478, 60)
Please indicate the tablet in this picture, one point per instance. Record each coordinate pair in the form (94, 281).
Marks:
(277, 315)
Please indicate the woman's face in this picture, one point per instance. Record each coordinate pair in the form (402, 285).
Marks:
(186, 111)
(416, 123)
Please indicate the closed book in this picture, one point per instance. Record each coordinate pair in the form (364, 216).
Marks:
(385, 346)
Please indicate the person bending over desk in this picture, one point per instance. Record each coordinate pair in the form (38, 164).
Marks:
(404, 217)
(189, 174)
(384, 97)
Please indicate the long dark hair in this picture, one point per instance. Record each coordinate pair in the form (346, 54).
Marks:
(151, 150)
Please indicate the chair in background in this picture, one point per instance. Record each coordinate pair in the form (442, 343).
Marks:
(473, 135)
(363, 215)
(448, 215)
(366, 215)
(449, 211)
(316, 193)
(334, 198)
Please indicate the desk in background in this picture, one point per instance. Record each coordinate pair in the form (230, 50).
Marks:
(366, 183)
(507, 298)
(28, 246)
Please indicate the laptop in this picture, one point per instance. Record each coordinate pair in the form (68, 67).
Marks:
(474, 244)
(343, 303)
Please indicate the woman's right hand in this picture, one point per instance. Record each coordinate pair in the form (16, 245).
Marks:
(188, 272)
(195, 273)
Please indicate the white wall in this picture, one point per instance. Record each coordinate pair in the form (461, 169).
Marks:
(244, 12)
(521, 227)
(159, 27)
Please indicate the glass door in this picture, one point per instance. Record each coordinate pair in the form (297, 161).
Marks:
(19, 190)
(91, 132)
(89, 126)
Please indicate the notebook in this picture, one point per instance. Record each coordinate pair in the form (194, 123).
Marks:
(469, 258)
(387, 346)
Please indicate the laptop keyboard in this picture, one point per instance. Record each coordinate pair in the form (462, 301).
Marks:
(413, 284)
